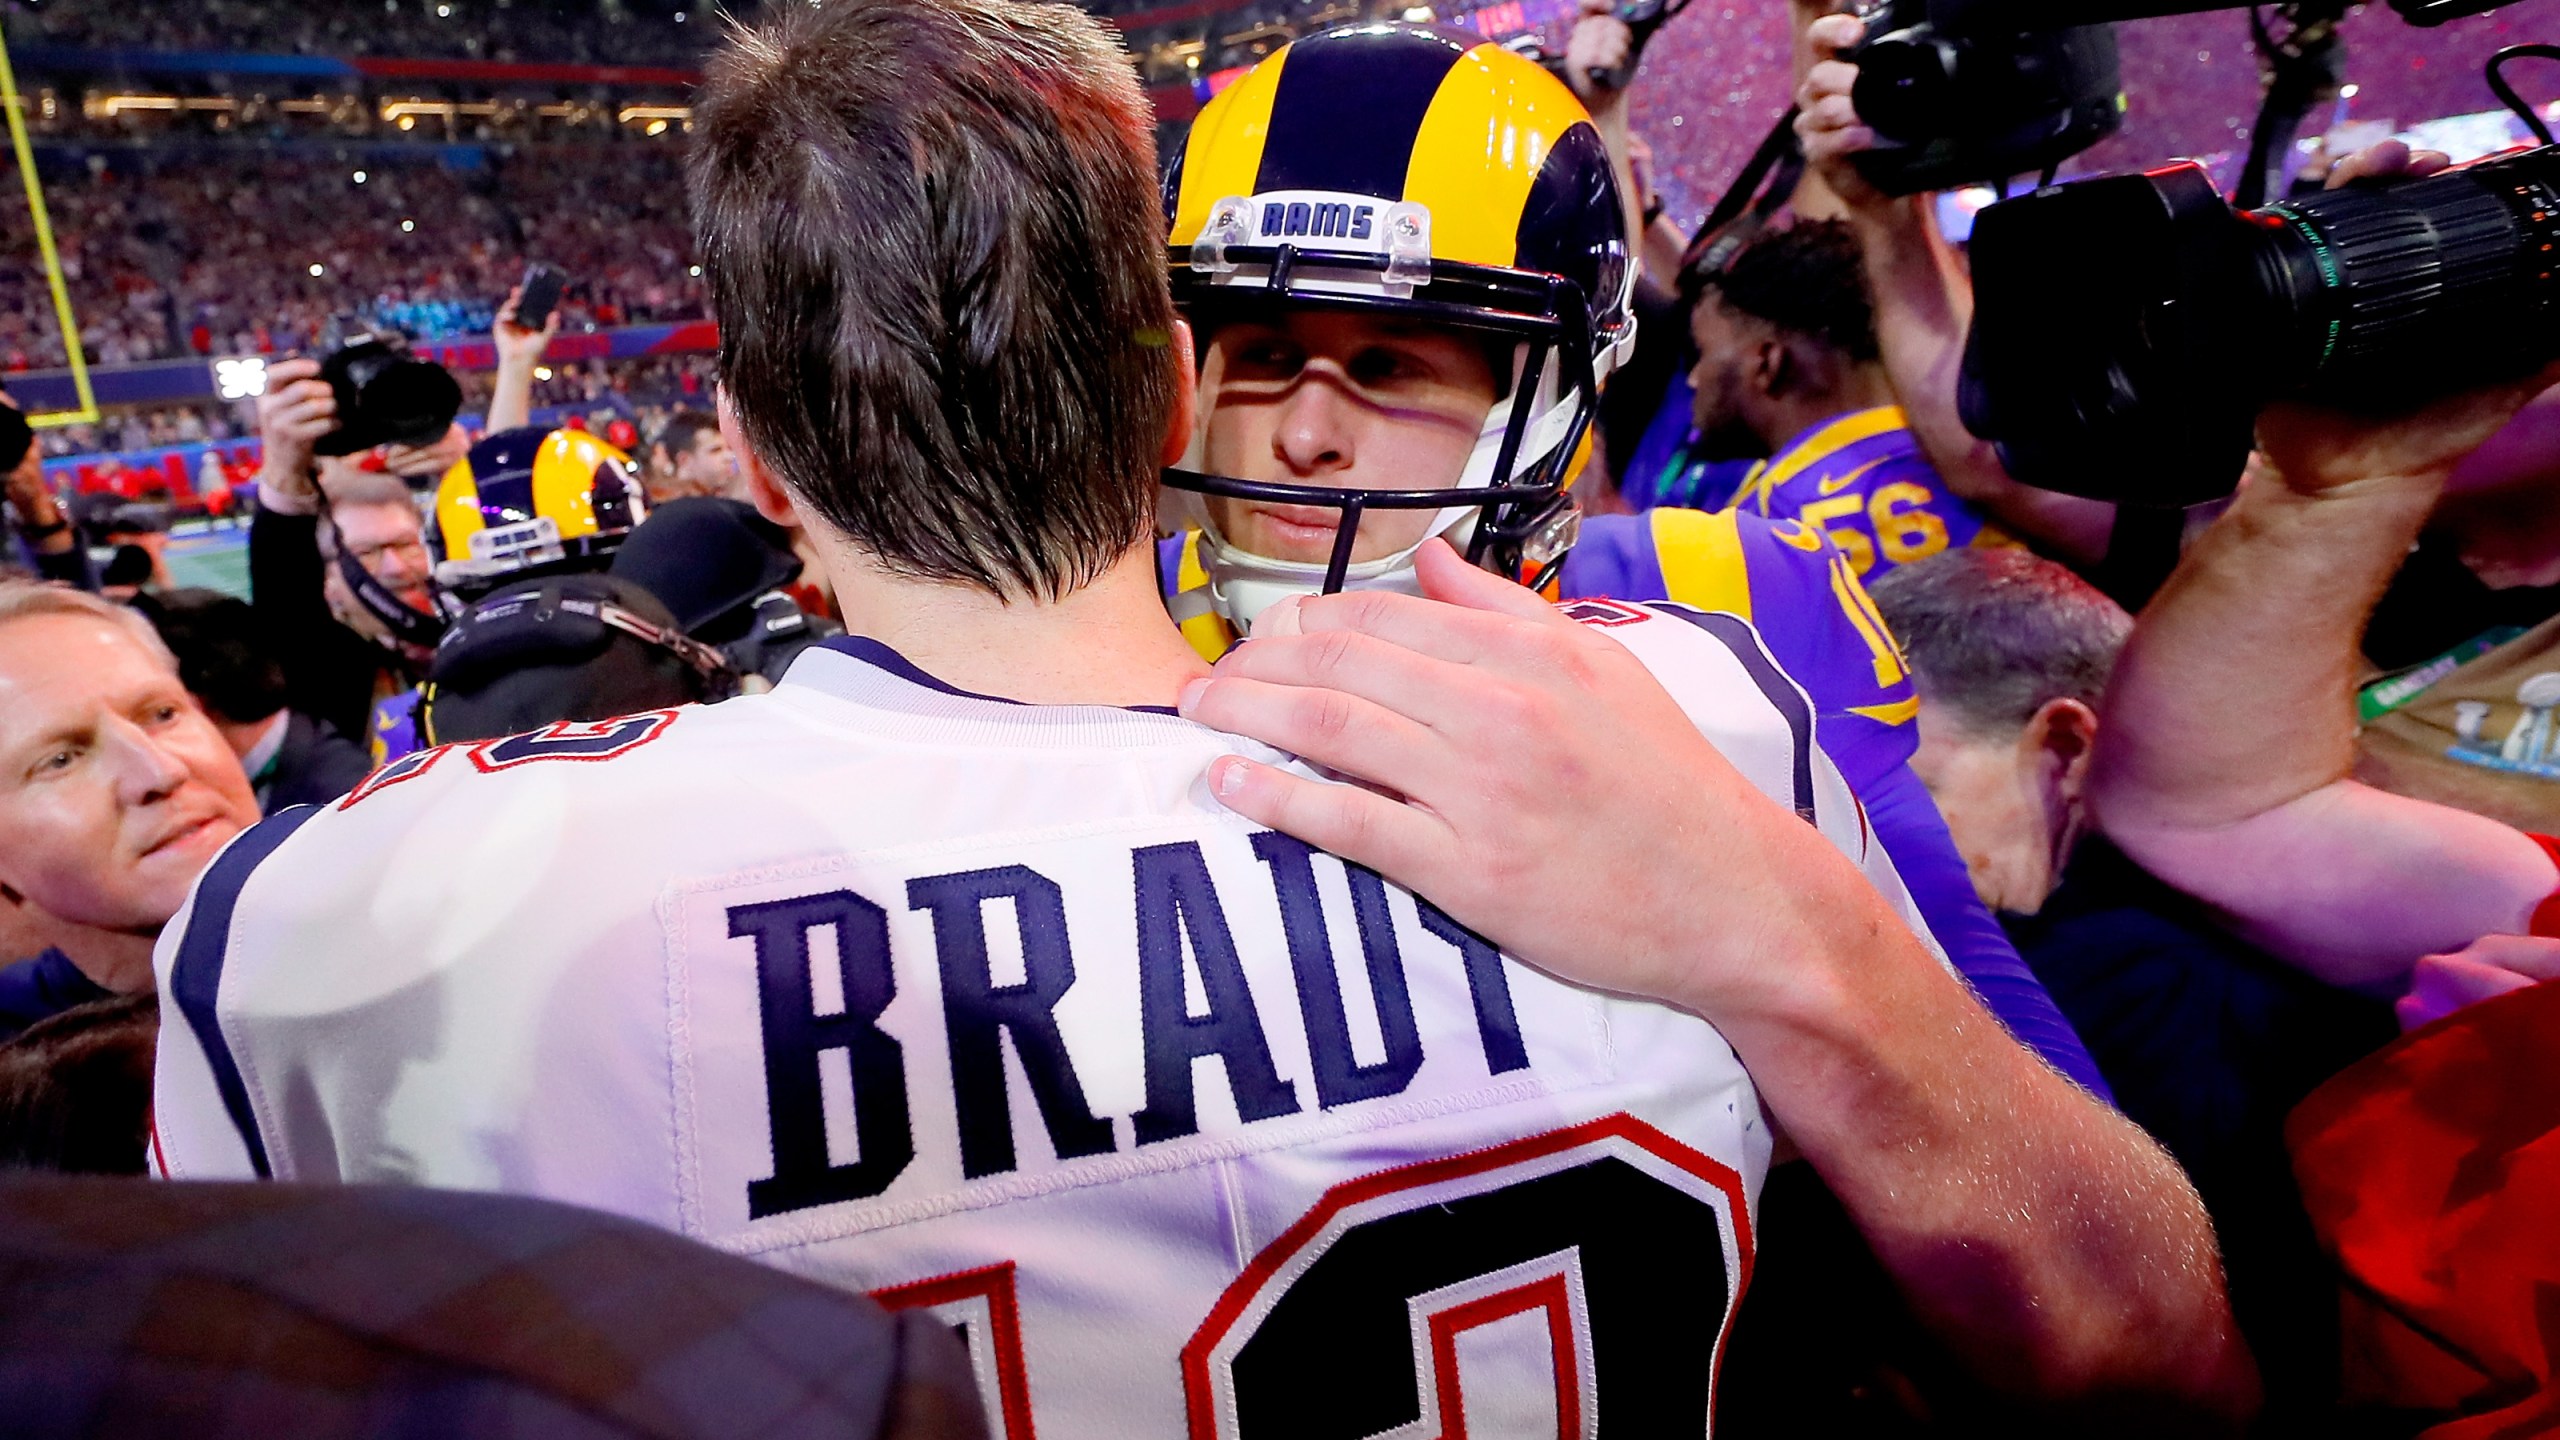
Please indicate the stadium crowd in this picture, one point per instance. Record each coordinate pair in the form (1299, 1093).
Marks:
(615, 32)
(247, 253)
(2138, 1021)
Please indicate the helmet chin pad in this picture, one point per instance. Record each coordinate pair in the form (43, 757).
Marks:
(1243, 584)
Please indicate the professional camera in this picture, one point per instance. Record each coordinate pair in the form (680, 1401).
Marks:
(2127, 330)
(1957, 96)
(386, 397)
(1962, 91)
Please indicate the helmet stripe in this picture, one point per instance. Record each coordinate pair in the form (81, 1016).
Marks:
(564, 479)
(505, 499)
(1573, 224)
(1223, 152)
(457, 514)
(1481, 150)
(1350, 109)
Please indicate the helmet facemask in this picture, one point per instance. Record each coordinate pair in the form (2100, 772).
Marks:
(1423, 174)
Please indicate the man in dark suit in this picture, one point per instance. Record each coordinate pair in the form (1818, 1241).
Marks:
(228, 662)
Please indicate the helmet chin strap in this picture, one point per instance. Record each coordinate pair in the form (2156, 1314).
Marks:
(407, 623)
(1242, 584)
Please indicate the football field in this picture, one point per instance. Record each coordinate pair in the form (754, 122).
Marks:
(213, 558)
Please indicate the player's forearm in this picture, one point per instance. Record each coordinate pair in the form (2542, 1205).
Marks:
(1923, 308)
(2046, 1241)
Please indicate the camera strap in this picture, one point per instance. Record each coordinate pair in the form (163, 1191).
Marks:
(2301, 65)
(1779, 161)
(407, 623)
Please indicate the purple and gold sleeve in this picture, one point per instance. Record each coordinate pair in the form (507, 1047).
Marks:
(1799, 593)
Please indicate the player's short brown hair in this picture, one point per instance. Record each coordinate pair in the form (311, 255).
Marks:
(932, 238)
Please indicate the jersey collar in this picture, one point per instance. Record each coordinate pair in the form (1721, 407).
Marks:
(881, 657)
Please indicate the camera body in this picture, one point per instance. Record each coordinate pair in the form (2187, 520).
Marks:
(386, 396)
(1958, 91)
(2127, 330)
(1965, 91)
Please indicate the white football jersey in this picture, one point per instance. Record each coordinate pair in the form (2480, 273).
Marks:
(1189, 1130)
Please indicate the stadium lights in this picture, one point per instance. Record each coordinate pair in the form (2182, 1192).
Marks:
(318, 269)
(243, 379)
(408, 225)
(107, 107)
(359, 177)
(110, 106)
(697, 270)
(541, 372)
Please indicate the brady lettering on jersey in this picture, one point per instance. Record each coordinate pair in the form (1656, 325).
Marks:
(1086, 998)
(1186, 1128)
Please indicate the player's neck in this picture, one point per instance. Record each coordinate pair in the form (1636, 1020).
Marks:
(1108, 643)
(1794, 416)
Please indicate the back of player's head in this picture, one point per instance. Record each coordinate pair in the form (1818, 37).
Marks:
(1805, 280)
(930, 232)
(563, 647)
(75, 1089)
(225, 658)
(1992, 635)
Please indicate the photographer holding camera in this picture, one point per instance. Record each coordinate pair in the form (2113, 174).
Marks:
(338, 563)
(51, 543)
(1923, 305)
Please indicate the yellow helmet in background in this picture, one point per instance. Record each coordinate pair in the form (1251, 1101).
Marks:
(532, 498)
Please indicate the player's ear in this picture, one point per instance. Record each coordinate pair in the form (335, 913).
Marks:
(2063, 734)
(1772, 366)
(765, 490)
(1186, 394)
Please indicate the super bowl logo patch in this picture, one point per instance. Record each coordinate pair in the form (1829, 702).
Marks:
(2524, 748)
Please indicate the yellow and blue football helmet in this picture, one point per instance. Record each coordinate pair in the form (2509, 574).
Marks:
(1429, 174)
(532, 499)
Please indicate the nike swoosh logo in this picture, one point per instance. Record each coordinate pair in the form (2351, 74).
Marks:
(1896, 713)
(1834, 484)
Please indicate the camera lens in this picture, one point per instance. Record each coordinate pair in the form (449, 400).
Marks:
(2392, 294)
(1906, 85)
(2127, 330)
